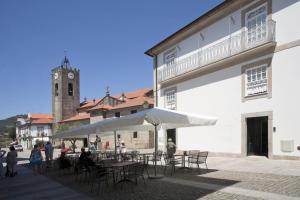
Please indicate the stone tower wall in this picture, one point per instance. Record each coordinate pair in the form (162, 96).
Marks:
(63, 105)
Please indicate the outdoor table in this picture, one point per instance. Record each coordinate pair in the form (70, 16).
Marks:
(145, 157)
(123, 165)
(183, 156)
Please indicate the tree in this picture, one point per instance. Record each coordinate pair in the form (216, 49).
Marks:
(73, 144)
(12, 132)
(65, 127)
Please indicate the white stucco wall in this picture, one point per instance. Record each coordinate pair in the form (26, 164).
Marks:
(219, 93)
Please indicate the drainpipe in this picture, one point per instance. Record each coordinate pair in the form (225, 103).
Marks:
(156, 92)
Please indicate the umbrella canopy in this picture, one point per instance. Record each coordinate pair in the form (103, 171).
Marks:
(160, 117)
(144, 120)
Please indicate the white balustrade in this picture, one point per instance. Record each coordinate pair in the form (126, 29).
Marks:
(230, 46)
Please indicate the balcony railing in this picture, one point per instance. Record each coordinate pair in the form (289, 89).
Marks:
(230, 46)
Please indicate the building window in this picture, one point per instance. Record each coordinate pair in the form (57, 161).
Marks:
(117, 114)
(56, 89)
(135, 134)
(133, 111)
(40, 131)
(169, 57)
(170, 98)
(256, 80)
(70, 89)
(256, 24)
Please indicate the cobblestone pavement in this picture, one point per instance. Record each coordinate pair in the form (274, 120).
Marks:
(232, 178)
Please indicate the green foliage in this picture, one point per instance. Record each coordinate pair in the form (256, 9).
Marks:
(12, 132)
(65, 127)
(7, 123)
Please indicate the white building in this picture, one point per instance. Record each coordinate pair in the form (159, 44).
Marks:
(238, 62)
(32, 128)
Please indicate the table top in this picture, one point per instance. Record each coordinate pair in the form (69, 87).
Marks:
(122, 164)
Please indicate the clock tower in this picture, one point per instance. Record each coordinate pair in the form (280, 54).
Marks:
(65, 91)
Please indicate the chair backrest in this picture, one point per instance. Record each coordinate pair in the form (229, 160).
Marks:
(193, 152)
(203, 156)
(166, 158)
(158, 155)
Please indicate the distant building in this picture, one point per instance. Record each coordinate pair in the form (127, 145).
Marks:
(68, 111)
(33, 127)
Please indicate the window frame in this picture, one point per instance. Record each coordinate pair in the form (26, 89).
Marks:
(260, 63)
(166, 103)
(118, 114)
(135, 135)
(258, 37)
(255, 68)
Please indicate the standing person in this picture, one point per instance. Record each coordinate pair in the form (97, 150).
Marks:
(2, 154)
(48, 154)
(171, 148)
(11, 161)
(97, 143)
(36, 159)
(123, 147)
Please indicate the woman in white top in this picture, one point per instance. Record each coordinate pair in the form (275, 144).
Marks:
(11, 161)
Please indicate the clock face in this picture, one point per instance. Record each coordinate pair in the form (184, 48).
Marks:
(55, 75)
(70, 75)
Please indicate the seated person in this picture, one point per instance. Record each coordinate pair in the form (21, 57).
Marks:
(64, 162)
(85, 159)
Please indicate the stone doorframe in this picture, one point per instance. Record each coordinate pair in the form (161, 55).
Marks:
(268, 114)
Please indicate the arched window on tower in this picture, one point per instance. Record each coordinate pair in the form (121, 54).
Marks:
(56, 89)
(70, 89)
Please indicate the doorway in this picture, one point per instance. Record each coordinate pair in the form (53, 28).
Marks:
(171, 133)
(257, 136)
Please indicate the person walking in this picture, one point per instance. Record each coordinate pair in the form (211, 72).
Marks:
(36, 159)
(11, 161)
(48, 154)
(2, 154)
(171, 148)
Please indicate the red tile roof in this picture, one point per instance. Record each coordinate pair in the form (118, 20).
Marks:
(44, 116)
(139, 101)
(78, 117)
(101, 107)
(41, 119)
(90, 103)
(134, 94)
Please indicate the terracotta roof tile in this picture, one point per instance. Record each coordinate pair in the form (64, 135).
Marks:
(41, 116)
(90, 103)
(78, 117)
(135, 98)
(134, 94)
(101, 106)
(42, 121)
(134, 102)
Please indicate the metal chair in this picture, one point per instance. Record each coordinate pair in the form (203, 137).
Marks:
(198, 159)
(159, 155)
(171, 162)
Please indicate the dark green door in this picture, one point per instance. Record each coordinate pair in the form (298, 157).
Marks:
(257, 136)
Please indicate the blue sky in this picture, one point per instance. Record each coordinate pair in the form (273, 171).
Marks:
(105, 39)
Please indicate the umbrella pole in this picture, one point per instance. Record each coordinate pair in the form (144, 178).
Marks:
(156, 176)
(115, 138)
(155, 148)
